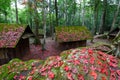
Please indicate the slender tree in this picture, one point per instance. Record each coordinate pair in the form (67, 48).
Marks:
(115, 17)
(83, 13)
(16, 11)
(30, 13)
(103, 19)
(44, 25)
(96, 3)
(56, 11)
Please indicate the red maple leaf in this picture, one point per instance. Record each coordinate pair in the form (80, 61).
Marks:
(92, 59)
(69, 76)
(112, 76)
(94, 74)
(80, 77)
(51, 75)
(66, 68)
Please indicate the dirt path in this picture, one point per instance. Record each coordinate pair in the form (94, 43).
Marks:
(37, 53)
(52, 49)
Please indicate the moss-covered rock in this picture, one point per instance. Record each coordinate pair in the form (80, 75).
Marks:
(74, 64)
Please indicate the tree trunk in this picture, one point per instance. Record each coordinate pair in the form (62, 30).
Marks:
(5, 17)
(83, 13)
(16, 10)
(95, 16)
(56, 12)
(36, 21)
(44, 26)
(115, 17)
(30, 13)
(79, 13)
(103, 19)
(50, 24)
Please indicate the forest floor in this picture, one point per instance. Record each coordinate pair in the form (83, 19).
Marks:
(52, 49)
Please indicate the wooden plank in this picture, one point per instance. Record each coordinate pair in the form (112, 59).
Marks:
(27, 35)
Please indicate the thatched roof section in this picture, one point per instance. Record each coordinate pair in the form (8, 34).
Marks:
(10, 34)
(70, 34)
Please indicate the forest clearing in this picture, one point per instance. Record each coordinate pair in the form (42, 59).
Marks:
(59, 39)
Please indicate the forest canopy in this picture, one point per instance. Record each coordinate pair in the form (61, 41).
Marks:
(98, 15)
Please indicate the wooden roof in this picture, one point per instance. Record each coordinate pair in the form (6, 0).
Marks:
(10, 34)
(70, 34)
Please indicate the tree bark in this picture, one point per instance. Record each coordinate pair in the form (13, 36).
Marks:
(5, 16)
(44, 25)
(36, 21)
(83, 13)
(30, 13)
(56, 12)
(16, 10)
(95, 16)
(115, 17)
(103, 19)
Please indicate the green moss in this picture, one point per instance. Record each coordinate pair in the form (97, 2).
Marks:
(10, 26)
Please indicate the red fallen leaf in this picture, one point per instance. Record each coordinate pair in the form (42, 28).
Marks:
(104, 66)
(15, 77)
(77, 50)
(85, 61)
(74, 70)
(90, 51)
(86, 56)
(51, 75)
(118, 72)
(101, 57)
(58, 58)
(112, 76)
(94, 74)
(66, 68)
(98, 62)
(22, 77)
(80, 77)
(104, 71)
(113, 59)
(102, 54)
(69, 76)
(83, 50)
(30, 78)
(73, 56)
(43, 69)
(43, 73)
(32, 72)
(112, 64)
(103, 78)
(49, 67)
(98, 69)
(118, 77)
(81, 57)
(59, 64)
(8, 67)
(93, 68)
(112, 70)
(85, 69)
(76, 62)
(92, 59)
